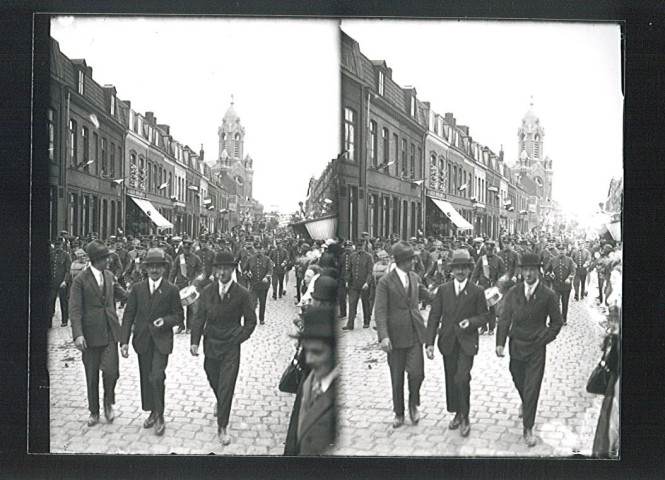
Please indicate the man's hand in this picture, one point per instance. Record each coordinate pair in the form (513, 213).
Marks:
(63, 284)
(194, 350)
(365, 286)
(159, 322)
(211, 278)
(430, 351)
(386, 346)
(464, 324)
(499, 351)
(80, 343)
(124, 350)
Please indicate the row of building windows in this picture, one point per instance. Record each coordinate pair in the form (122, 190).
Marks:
(407, 162)
(100, 158)
(88, 214)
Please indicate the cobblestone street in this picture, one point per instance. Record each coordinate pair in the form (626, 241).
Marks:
(565, 421)
(259, 414)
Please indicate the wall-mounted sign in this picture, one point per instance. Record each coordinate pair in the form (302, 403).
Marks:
(135, 193)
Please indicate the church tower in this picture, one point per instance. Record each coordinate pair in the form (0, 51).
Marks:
(531, 161)
(231, 137)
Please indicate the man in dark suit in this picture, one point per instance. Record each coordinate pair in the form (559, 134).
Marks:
(487, 271)
(279, 257)
(582, 259)
(153, 309)
(562, 270)
(459, 309)
(95, 327)
(60, 262)
(524, 319)
(187, 269)
(218, 318)
(313, 419)
(401, 330)
(358, 281)
(344, 268)
(259, 270)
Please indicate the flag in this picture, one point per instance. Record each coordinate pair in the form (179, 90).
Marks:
(163, 185)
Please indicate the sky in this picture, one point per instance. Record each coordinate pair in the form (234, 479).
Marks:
(283, 75)
(485, 73)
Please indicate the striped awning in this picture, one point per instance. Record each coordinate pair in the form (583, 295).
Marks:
(321, 228)
(152, 213)
(452, 214)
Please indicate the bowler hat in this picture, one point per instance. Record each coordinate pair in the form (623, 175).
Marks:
(318, 324)
(490, 243)
(97, 249)
(154, 256)
(461, 258)
(530, 260)
(325, 289)
(188, 241)
(224, 258)
(402, 251)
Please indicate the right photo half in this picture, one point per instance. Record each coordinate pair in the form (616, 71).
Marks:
(478, 198)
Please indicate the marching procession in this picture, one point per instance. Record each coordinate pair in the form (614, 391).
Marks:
(447, 291)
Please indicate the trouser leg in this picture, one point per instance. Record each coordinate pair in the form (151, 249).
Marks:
(517, 369)
(298, 285)
(491, 318)
(372, 296)
(110, 367)
(222, 375)
(450, 369)
(145, 367)
(341, 297)
(565, 298)
(53, 294)
(367, 309)
(397, 364)
(274, 281)
(534, 369)
(576, 285)
(91, 359)
(157, 379)
(262, 294)
(64, 304)
(583, 284)
(415, 370)
(462, 380)
(280, 276)
(601, 287)
(354, 295)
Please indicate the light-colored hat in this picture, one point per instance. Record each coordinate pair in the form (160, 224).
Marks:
(461, 257)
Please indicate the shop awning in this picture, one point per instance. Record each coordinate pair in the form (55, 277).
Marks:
(321, 228)
(152, 213)
(452, 214)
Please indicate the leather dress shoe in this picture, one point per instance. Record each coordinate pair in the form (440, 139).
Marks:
(347, 327)
(455, 422)
(398, 421)
(150, 421)
(465, 427)
(414, 415)
(159, 425)
(93, 419)
(108, 413)
(521, 412)
(365, 325)
(529, 438)
(223, 435)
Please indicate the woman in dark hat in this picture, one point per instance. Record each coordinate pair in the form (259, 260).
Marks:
(313, 419)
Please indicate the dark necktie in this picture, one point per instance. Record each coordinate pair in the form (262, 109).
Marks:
(316, 392)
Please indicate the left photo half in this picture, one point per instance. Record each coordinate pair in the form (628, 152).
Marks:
(181, 314)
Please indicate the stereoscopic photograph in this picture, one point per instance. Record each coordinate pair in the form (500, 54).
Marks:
(339, 237)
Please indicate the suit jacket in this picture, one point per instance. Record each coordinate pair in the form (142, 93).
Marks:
(562, 267)
(449, 309)
(219, 320)
(317, 427)
(397, 312)
(526, 322)
(496, 267)
(142, 310)
(92, 312)
(61, 263)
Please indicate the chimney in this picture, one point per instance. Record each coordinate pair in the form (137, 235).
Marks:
(150, 118)
(201, 153)
(501, 154)
(165, 128)
(465, 129)
(450, 120)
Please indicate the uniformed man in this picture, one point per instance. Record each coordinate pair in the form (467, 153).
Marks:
(487, 271)
(242, 255)
(344, 265)
(259, 270)
(279, 257)
(207, 254)
(562, 269)
(186, 270)
(477, 250)
(582, 259)
(358, 280)
(135, 271)
(60, 262)
(524, 319)
(440, 270)
(510, 258)
(425, 258)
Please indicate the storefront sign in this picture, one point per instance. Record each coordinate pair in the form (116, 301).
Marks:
(435, 194)
(135, 193)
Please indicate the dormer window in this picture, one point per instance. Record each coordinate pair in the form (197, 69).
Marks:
(81, 82)
(413, 106)
(112, 105)
(381, 82)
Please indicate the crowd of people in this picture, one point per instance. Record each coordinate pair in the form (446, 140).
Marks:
(216, 287)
